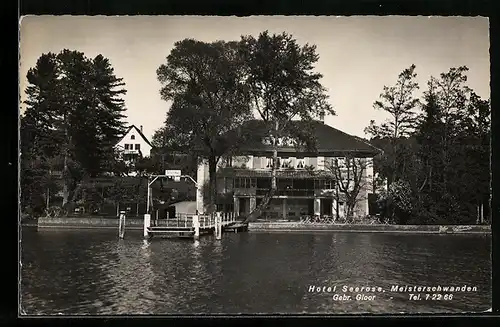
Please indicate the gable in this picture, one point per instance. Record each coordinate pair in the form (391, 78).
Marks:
(133, 130)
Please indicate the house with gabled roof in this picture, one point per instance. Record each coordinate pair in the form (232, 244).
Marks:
(305, 186)
(134, 144)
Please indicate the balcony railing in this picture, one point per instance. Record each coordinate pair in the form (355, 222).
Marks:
(308, 193)
(286, 172)
(130, 151)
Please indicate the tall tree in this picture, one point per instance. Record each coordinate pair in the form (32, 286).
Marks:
(350, 179)
(443, 166)
(429, 135)
(283, 86)
(74, 107)
(452, 95)
(209, 99)
(171, 150)
(400, 103)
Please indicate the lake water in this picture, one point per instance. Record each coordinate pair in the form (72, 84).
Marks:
(92, 272)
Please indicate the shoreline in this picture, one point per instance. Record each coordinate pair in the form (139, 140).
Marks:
(137, 224)
(366, 228)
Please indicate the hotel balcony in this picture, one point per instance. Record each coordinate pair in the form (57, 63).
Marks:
(136, 152)
(283, 173)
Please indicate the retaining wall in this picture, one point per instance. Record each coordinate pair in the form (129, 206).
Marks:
(433, 229)
(90, 223)
(137, 223)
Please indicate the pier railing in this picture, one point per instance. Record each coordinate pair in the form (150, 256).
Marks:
(186, 220)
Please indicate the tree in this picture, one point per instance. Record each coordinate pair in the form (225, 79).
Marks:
(350, 176)
(443, 165)
(74, 110)
(209, 99)
(399, 102)
(429, 134)
(451, 97)
(171, 150)
(283, 87)
(398, 202)
(119, 192)
(454, 136)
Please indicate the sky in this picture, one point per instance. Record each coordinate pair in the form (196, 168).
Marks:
(358, 55)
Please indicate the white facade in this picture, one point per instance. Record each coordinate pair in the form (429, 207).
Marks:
(319, 163)
(134, 143)
(201, 178)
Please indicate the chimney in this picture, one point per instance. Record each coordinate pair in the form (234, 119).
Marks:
(322, 117)
(140, 127)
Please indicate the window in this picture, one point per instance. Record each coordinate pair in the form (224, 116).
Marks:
(126, 146)
(328, 184)
(132, 137)
(301, 163)
(263, 183)
(137, 146)
(267, 141)
(285, 163)
(341, 162)
(320, 184)
(316, 184)
(269, 163)
(285, 184)
(245, 182)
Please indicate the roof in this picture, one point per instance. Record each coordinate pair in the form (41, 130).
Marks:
(138, 132)
(327, 138)
(188, 207)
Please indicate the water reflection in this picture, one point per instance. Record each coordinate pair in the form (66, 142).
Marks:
(145, 245)
(87, 272)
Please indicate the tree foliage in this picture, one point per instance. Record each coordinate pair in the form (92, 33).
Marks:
(400, 103)
(444, 162)
(350, 177)
(204, 83)
(283, 86)
(74, 112)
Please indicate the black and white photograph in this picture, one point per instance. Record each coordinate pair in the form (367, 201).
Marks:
(207, 165)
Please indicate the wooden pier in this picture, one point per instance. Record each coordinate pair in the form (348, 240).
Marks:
(194, 226)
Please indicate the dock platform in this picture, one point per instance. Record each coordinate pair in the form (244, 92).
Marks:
(194, 226)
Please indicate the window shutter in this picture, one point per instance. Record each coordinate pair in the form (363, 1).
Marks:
(256, 162)
(313, 161)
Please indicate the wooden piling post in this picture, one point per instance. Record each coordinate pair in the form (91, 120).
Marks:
(218, 226)
(147, 224)
(482, 213)
(121, 227)
(196, 225)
